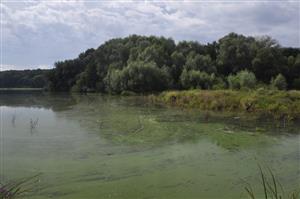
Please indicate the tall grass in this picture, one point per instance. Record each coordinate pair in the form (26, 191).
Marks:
(272, 188)
(18, 188)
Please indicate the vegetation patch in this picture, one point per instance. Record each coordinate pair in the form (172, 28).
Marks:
(282, 105)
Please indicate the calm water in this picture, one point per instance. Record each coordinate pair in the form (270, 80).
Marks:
(93, 146)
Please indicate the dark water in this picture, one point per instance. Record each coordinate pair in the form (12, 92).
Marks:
(93, 146)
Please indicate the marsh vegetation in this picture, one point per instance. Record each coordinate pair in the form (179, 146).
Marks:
(280, 105)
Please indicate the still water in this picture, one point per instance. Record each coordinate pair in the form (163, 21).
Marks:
(94, 146)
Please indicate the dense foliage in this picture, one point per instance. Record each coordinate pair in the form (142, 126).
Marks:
(142, 64)
(23, 78)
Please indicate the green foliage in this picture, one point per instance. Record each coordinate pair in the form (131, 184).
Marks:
(137, 77)
(279, 82)
(196, 79)
(266, 64)
(23, 79)
(278, 104)
(200, 62)
(187, 64)
(247, 79)
(243, 79)
(235, 53)
(234, 82)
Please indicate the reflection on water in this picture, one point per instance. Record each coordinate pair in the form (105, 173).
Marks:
(93, 146)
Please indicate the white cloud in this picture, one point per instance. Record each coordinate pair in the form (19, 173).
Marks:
(7, 67)
(4, 67)
(36, 32)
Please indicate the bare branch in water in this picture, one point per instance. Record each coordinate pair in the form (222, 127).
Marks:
(33, 124)
(13, 119)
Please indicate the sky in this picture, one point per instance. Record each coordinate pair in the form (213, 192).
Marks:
(36, 34)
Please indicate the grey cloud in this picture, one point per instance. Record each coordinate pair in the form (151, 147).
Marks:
(42, 32)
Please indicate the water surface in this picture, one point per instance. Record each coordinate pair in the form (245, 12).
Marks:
(94, 146)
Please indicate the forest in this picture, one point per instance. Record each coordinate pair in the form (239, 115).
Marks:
(147, 64)
(144, 64)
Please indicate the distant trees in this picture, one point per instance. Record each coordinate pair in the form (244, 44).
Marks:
(144, 64)
(23, 78)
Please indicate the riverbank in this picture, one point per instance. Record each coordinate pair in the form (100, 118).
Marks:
(278, 104)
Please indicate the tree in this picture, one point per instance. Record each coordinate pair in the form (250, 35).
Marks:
(138, 77)
(267, 63)
(131, 62)
(200, 62)
(195, 79)
(114, 81)
(235, 53)
(178, 60)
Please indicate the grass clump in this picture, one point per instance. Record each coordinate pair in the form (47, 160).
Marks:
(272, 189)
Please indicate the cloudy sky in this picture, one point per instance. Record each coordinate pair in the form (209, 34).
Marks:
(35, 34)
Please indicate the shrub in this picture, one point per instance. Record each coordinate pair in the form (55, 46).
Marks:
(279, 82)
(218, 84)
(233, 82)
(247, 79)
(243, 79)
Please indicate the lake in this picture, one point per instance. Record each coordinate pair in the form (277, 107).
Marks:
(98, 146)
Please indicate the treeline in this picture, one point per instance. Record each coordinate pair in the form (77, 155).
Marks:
(24, 78)
(145, 64)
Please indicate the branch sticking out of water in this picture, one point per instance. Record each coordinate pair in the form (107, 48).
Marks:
(33, 124)
(13, 119)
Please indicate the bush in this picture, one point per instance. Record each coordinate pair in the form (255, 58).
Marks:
(247, 79)
(243, 79)
(279, 82)
(233, 82)
(219, 84)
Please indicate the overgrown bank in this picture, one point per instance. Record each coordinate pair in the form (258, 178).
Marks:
(283, 105)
